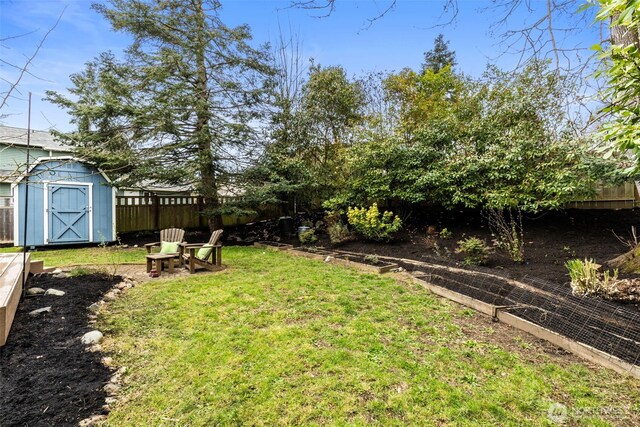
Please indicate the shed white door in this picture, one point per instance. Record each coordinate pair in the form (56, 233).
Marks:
(69, 212)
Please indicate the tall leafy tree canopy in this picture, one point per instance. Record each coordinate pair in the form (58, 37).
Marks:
(621, 69)
(179, 108)
(310, 134)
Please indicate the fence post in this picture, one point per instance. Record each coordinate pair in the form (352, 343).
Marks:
(200, 201)
(155, 200)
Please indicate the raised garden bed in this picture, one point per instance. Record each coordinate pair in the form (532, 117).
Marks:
(362, 262)
(591, 327)
(370, 263)
(314, 252)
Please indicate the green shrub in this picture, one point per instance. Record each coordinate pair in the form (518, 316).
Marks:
(476, 251)
(336, 229)
(370, 225)
(338, 232)
(308, 237)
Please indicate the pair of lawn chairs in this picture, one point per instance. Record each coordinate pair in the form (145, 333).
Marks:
(191, 255)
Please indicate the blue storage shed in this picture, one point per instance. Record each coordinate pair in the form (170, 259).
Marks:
(69, 202)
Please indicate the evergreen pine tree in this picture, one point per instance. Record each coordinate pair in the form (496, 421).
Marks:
(439, 57)
(179, 108)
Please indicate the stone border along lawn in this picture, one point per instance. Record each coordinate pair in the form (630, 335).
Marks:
(277, 340)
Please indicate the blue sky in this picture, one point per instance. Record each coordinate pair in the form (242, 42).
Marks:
(396, 41)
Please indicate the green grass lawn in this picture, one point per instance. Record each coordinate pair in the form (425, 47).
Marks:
(88, 256)
(280, 340)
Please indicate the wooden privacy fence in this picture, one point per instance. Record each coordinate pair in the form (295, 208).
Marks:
(6, 220)
(140, 213)
(623, 196)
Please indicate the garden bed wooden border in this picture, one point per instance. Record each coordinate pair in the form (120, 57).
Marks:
(344, 258)
(273, 245)
(12, 274)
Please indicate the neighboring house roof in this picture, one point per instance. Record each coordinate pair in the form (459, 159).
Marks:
(15, 140)
(39, 138)
(159, 188)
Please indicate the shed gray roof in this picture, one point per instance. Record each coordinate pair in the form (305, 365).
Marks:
(41, 139)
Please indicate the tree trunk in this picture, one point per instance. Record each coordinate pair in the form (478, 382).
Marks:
(206, 161)
(622, 35)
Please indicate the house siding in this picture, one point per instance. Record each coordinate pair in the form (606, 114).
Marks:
(14, 158)
(5, 189)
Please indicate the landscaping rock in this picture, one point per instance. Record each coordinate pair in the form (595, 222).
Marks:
(57, 271)
(35, 291)
(87, 422)
(123, 285)
(40, 311)
(111, 296)
(90, 338)
(329, 258)
(54, 292)
(94, 307)
(111, 388)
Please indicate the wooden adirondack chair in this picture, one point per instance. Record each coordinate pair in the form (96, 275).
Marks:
(212, 261)
(169, 235)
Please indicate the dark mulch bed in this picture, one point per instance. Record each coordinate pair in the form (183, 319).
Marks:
(46, 376)
(550, 240)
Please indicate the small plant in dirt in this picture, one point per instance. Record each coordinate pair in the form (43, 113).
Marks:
(373, 226)
(441, 251)
(112, 254)
(476, 251)
(507, 227)
(445, 233)
(372, 259)
(587, 279)
(308, 237)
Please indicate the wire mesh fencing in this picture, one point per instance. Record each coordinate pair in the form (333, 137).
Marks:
(611, 327)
